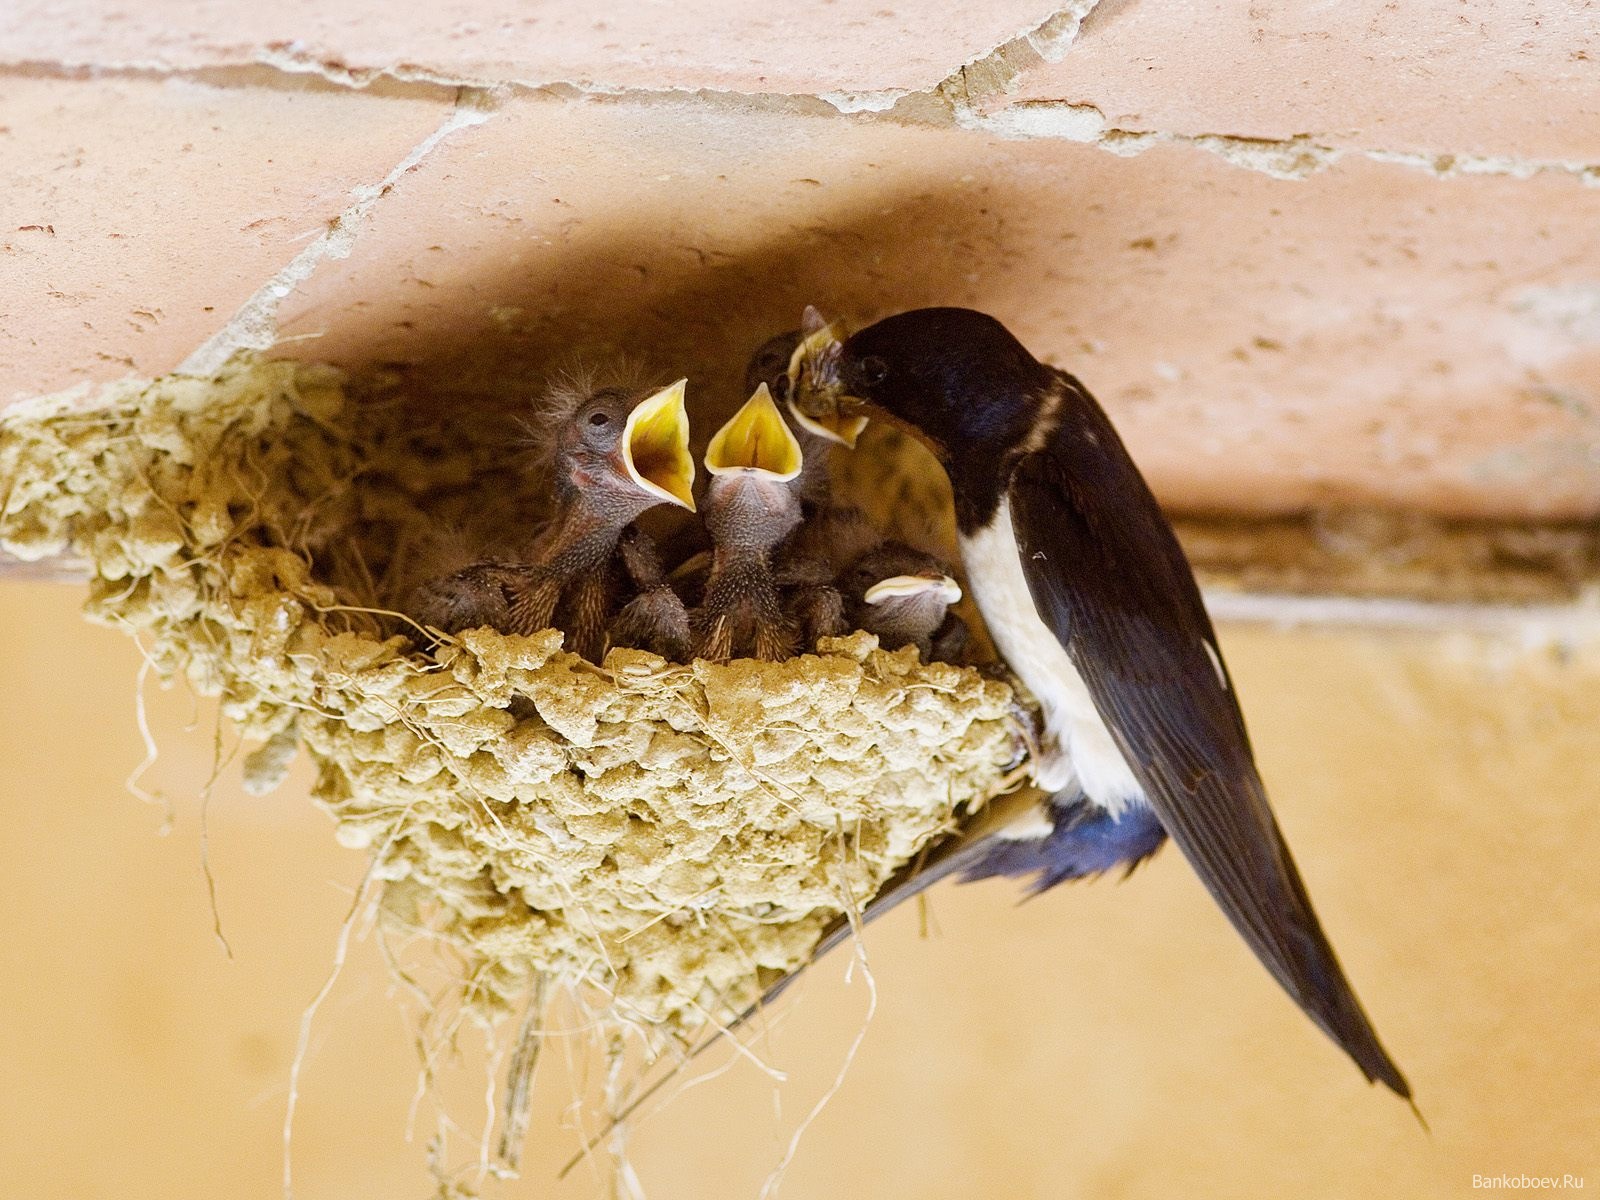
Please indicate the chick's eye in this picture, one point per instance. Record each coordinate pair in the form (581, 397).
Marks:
(873, 370)
(599, 419)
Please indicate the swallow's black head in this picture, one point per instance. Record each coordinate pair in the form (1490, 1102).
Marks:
(956, 376)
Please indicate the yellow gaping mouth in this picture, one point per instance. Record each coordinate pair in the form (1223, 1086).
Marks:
(755, 439)
(900, 586)
(816, 397)
(655, 446)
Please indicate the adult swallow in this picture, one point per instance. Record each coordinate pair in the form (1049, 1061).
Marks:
(1091, 602)
(614, 453)
(749, 509)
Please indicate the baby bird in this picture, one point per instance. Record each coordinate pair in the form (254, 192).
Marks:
(479, 593)
(613, 452)
(750, 507)
(815, 353)
(904, 596)
(769, 368)
(616, 452)
(775, 364)
(831, 536)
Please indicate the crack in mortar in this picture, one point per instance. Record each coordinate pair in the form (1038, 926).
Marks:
(956, 101)
(1293, 158)
(991, 73)
(294, 64)
(996, 72)
(272, 71)
(255, 325)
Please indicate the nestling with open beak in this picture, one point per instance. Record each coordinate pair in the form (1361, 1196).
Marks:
(1090, 600)
(811, 561)
(613, 452)
(616, 452)
(903, 595)
(749, 508)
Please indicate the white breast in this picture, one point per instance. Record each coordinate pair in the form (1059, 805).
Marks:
(1076, 741)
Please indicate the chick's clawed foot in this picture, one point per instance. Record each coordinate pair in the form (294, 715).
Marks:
(655, 619)
(811, 601)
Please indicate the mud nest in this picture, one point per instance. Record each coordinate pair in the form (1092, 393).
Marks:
(673, 836)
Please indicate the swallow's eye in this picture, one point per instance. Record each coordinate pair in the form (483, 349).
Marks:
(873, 371)
(599, 419)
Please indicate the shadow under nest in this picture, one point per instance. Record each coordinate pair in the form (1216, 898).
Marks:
(666, 839)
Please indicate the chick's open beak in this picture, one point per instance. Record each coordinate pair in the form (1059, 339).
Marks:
(655, 446)
(816, 397)
(755, 440)
(902, 586)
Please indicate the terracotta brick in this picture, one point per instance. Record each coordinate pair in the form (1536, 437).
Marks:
(1493, 77)
(1370, 334)
(803, 46)
(138, 215)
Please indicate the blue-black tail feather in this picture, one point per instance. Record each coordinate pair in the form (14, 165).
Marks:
(1086, 840)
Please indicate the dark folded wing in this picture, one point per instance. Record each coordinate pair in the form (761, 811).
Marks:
(1108, 576)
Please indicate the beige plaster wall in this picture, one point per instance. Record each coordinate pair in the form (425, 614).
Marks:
(1108, 1040)
(1308, 255)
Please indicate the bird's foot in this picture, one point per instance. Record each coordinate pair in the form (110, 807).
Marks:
(741, 632)
(817, 611)
(656, 621)
(950, 640)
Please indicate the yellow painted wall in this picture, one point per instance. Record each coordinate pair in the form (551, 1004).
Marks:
(1103, 1041)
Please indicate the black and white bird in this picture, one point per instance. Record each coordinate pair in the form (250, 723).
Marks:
(1090, 600)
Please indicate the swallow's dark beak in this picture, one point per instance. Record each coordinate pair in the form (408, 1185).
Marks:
(899, 587)
(838, 426)
(655, 446)
(816, 394)
(755, 441)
